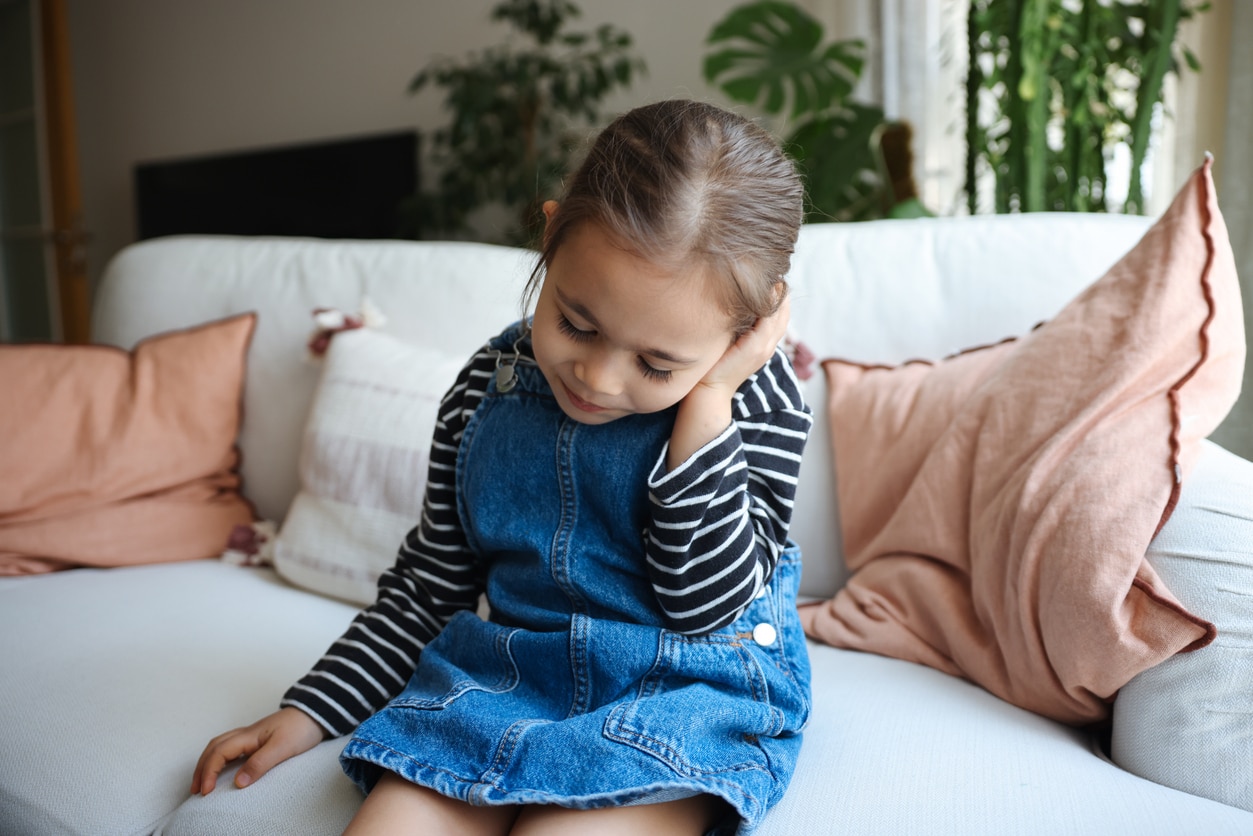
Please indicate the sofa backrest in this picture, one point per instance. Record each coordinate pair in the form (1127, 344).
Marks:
(883, 292)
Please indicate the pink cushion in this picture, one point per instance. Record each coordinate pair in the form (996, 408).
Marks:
(996, 506)
(117, 458)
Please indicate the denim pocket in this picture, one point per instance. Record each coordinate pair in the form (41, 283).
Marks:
(479, 658)
(788, 652)
(701, 708)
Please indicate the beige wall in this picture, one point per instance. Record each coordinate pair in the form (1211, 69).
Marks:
(164, 78)
(156, 79)
(1236, 200)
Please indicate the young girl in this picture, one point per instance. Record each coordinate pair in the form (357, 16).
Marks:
(617, 475)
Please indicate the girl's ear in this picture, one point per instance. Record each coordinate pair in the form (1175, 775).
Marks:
(550, 209)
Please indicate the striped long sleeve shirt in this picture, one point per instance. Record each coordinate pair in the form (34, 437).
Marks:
(719, 523)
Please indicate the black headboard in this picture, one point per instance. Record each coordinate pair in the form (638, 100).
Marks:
(347, 188)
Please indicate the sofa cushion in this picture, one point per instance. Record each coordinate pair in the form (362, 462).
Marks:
(118, 458)
(996, 506)
(898, 748)
(1188, 722)
(128, 673)
(363, 462)
(309, 795)
(891, 748)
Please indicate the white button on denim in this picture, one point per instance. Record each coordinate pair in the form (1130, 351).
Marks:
(765, 634)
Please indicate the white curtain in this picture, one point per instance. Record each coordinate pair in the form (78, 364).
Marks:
(1235, 178)
(915, 70)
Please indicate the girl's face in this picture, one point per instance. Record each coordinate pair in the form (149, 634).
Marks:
(617, 335)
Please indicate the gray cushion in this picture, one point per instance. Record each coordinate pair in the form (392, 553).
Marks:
(1188, 722)
(121, 676)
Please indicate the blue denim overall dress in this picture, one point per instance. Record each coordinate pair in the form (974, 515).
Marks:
(574, 693)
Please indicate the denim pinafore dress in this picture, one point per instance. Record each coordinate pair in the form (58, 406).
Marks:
(574, 693)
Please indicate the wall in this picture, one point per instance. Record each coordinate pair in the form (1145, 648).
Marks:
(1236, 434)
(157, 79)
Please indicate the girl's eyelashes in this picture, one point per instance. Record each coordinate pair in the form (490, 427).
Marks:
(658, 375)
(568, 328)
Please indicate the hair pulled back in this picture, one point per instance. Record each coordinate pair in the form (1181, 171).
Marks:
(682, 183)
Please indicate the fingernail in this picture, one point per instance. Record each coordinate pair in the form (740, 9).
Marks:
(242, 780)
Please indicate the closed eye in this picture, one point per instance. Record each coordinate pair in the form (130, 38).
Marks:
(566, 327)
(578, 335)
(651, 373)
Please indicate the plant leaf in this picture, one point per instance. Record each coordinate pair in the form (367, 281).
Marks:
(772, 57)
(836, 155)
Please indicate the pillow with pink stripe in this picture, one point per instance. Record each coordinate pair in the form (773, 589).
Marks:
(363, 462)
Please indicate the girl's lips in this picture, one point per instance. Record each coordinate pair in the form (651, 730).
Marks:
(581, 404)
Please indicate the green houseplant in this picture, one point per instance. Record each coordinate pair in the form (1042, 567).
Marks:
(516, 110)
(771, 54)
(1054, 85)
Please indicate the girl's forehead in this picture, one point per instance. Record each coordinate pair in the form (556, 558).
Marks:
(596, 249)
(623, 294)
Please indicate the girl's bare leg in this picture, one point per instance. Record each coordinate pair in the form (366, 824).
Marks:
(685, 817)
(397, 806)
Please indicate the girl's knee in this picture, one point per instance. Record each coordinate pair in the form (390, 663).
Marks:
(397, 806)
(684, 817)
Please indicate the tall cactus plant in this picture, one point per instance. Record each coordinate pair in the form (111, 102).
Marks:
(1055, 85)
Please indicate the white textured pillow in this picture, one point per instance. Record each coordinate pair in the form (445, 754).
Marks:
(363, 462)
(1188, 722)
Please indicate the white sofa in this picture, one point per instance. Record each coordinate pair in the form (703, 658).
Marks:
(112, 681)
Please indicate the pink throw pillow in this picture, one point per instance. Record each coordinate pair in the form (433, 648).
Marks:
(996, 506)
(116, 458)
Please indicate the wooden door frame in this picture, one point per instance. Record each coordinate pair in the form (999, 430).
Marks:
(69, 237)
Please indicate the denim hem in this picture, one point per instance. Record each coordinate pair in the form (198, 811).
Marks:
(365, 761)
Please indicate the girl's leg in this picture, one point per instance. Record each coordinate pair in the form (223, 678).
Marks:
(685, 817)
(397, 806)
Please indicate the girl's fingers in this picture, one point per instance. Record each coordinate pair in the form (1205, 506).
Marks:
(273, 752)
(217, 755)
(269, 741)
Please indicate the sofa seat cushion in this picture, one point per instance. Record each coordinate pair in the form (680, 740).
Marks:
(308, 795)
(121, 676)
(892, 747)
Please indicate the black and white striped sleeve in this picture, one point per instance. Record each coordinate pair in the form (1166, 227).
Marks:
(720, 519)
(434, 576)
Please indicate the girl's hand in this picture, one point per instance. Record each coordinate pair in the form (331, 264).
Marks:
(750, 352)
(706, 411)
(267, 743)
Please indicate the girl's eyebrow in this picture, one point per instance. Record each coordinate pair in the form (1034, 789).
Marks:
(582, 311)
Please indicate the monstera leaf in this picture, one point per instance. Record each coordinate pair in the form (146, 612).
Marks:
(836, 155)
(772, 53)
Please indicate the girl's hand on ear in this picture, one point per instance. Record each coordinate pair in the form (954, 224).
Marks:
(750, 352)
(705, 412)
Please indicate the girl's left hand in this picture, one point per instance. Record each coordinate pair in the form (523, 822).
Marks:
(750, 352)
(706, 410)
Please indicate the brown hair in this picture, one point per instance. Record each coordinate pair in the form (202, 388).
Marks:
(681, 182)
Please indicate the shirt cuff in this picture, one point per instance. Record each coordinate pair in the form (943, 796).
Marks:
(714, 455)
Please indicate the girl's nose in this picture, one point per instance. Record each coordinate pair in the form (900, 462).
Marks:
(599, 372)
